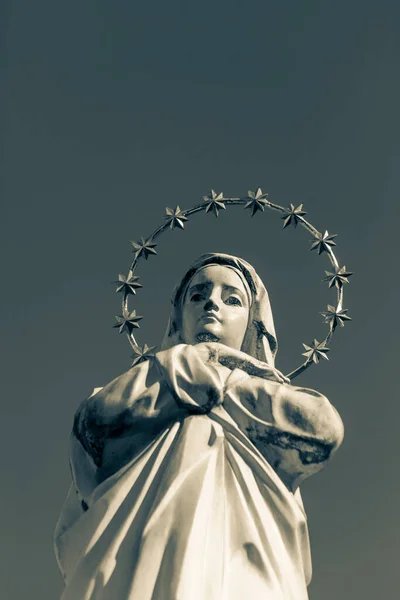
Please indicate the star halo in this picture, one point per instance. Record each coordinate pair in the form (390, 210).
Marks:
(257, 201)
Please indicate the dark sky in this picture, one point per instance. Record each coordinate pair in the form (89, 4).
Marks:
(112, 111)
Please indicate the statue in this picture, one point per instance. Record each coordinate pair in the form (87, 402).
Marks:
(186, 469)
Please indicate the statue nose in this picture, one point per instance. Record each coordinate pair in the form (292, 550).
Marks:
(211, 305)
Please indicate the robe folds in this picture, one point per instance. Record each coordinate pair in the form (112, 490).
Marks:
(184, 485)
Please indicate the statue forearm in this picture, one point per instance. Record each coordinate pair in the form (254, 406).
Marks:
(144, 400)
(231, 358)
(295, 428)
(309, 414)
(130, 405)
(308, 431)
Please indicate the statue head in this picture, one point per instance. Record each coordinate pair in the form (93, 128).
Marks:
(215, 307)
(221, 298)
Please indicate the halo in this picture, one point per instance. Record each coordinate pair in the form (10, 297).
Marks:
(255, 202)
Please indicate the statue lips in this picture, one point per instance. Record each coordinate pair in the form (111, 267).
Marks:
(210, 317)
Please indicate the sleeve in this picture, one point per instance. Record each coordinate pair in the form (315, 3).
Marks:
(296, 429)
(112, 425)
(120, 419)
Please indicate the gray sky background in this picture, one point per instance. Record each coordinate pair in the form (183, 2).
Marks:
(112, 111)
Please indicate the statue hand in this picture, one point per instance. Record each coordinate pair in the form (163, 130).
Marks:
(236, 359)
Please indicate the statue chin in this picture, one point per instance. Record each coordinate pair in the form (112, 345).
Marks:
(207, 337)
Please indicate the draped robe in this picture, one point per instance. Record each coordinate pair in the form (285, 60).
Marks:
(185, 484)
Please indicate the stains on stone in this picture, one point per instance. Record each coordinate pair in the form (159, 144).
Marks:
(250, 399)
(207, 337)
(273, 344)
(263, 332)
(92, 432)
(93, 445)
(309, 458)
(213, 355)
(250, 367)
(232, 362)
(261, 329)
(213, 399)
(296, 415)
(310, 451)
(84, 505)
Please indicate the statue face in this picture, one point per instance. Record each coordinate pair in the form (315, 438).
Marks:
(215, 308)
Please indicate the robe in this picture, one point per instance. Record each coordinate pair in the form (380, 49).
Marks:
(186, 485)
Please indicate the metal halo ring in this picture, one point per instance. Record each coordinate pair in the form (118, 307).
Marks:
(256, 202)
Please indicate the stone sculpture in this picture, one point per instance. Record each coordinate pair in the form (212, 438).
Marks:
(186, 469)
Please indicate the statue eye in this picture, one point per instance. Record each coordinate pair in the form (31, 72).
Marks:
(196, 298)
(233, 300)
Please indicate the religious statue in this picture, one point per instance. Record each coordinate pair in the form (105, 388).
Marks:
(186, 469)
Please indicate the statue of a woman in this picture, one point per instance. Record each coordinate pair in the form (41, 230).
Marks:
(186, 468)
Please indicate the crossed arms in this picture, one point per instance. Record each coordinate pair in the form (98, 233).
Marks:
(295, 429)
